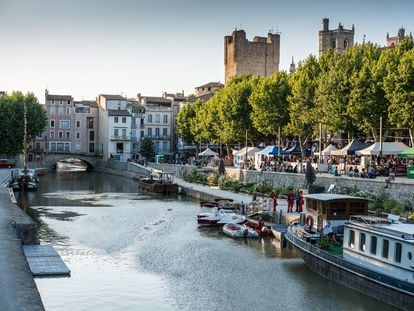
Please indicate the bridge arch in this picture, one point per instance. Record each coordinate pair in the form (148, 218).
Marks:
(50, 159)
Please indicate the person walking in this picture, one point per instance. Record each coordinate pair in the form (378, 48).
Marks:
(297, 199)
(291, 200)
(301, 201)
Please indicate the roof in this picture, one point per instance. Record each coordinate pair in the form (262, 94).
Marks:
(350, 149)
(58, 97)
(387, 148)
(90, 103)
(157, 100)
(112, 97)
(331, 196)
(210, 84)
(115, 112)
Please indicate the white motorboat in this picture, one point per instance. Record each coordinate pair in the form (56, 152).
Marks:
(24, 179)
(219, 217)
(239, 231)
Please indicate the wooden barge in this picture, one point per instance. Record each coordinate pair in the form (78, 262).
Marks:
(158, 182)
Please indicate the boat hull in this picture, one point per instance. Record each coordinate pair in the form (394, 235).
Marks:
(383, 288)
(239, 231)
(158, 187)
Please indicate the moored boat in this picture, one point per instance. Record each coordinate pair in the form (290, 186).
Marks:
(279, 231)
(239, 231)
(24, 179)
(158, 182)
(219, 217)
(375, 256)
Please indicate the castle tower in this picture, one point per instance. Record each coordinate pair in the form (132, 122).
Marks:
(259, 57)
(338, 39)
(394, 41)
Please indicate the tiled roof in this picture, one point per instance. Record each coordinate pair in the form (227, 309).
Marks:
(157, 100)
(210, 84)
(59, 97)
(116, 113)
(90, 103)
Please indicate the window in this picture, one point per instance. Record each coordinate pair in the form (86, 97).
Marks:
(150, 118)
(116, 132)
(116, 119)
(68, 110)
(60, 133)
(164, 132)
(52, 102)
(68, 102)
(90, 123)
(398, 251)
(64, 124)
(67, 147)
(165, 119)
(52, 123)
(157, 131)
(91, 147)
(52, 110)
(77, 147)
(149, 132)
(410, 255)
(60, 110)
(52, 146)
(351, 240)
(78, 123)
(60, 102)
(385, 247)
(124, 133)
(157, 118)
(67, 135)
(52, 134)
(142, 134)
(362, 240)
(92, 135)
(123, 119)
(373, 245)
(77, 135)
(82, 109)
(119, 148)
(345, 44)
(164, 146)
(157, 146)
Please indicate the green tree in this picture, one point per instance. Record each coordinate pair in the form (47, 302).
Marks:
(12, 121)
(185, 117)
(146, 148)
(400, 92)
(269, 104)
(302, 117)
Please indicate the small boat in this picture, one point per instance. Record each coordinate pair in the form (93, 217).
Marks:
(371, 255)
(239, 231)
(278, 231)
(208, 204)
(158, 182)
(24, 179)
(219, 217)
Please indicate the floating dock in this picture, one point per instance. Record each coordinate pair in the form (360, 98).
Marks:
(44, 260)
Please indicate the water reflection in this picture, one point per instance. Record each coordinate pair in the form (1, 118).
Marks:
(131, 251)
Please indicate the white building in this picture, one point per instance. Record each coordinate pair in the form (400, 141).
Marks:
(114, 134)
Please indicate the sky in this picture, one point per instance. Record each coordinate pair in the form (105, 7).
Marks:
(85, 48)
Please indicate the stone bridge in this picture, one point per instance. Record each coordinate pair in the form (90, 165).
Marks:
(48, 160)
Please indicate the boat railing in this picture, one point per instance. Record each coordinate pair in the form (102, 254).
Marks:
(309, 247)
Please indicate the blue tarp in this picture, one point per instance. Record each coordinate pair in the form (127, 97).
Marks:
(272, 150)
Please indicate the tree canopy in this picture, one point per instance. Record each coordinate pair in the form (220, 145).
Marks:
(12, 121)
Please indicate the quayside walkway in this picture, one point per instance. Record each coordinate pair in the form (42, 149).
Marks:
(18, 290)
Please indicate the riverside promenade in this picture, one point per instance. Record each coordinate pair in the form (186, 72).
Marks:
(18, 291)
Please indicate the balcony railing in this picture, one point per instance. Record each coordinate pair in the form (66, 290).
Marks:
(121, 137)
(159, 137)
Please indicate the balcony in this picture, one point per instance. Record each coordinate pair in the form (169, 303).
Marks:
(121, 138)
(159, 137)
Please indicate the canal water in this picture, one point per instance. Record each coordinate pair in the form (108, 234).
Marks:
(134, 251)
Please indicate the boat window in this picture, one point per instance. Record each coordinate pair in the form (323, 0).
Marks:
(373, 245)
(385, 246)
(357, 208)
(362, 242)
(351, 241)
(398, 251)
(338, 209)
(410, 256)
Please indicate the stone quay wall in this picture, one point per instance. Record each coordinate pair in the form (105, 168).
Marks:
(402, 189)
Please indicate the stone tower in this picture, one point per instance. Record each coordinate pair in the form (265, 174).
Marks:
(259, 57)
(338, 39)
(394, 41)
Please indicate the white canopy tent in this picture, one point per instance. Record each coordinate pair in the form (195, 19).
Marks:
(240, 155)
(387, 148)
(208, 153)
(326, 152)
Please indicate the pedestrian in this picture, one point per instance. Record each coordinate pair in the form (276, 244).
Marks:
(297, 199)
(291, 200)
(301, 201)
(274, 201)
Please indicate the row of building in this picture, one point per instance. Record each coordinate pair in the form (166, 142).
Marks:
(112, 126)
